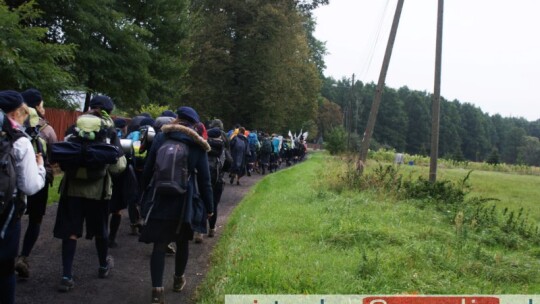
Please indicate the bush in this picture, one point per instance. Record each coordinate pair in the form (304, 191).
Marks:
(153, 109)
(336, 141)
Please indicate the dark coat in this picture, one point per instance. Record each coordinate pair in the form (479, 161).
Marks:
(239, 152)
(199, 193)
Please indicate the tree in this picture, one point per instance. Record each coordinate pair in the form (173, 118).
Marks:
(512, 141)
(418, 128)
(330, 116)
(111, 57)
(529, 151)
(392, 121)
(25, 60)
(254, 66)
(493, 158)
(168, 24)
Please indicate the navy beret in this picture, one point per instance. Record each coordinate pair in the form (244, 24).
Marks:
(214, 132)
(10, 100)
(188, 114)
(103, 102)
(147, 122)
(168, 113)
(120, 123)
(32, 97)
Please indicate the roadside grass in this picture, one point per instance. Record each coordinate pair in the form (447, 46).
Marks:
(297, 232)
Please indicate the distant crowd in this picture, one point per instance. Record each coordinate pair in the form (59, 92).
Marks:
(177, 165)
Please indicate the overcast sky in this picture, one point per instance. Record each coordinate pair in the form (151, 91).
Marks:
(490, 58)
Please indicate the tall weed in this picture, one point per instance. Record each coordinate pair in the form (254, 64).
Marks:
(472, 214)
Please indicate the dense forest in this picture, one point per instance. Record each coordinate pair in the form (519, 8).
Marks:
(253, 62)
(404, 124)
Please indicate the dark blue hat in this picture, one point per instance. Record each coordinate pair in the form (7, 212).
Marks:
(147, 122)
(10, 100)
(145, 114)
(188, 114)
(103, 102)
(168, 113)
(120, 123)
(214, 132)
(32, 97)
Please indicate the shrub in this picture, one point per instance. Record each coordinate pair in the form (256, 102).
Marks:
(336, 140)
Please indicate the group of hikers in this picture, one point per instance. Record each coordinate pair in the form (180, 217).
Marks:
(176, 163)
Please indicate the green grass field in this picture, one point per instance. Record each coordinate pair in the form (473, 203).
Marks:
(292, 235)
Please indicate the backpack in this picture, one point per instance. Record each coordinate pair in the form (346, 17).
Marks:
(216, 158)
(266, 146)
(253, 142)
(87, 153)
(217, 145)
(171, 173)
(8, 178)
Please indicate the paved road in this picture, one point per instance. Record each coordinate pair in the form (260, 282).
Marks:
(129, 281)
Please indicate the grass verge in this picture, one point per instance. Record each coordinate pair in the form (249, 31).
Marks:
(291, 235)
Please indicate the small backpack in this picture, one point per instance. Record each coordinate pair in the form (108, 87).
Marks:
(8, 178)
(216, 158)
(171, 173)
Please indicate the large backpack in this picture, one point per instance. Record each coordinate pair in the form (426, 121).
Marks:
(88, 151)
(171, 172)
(253, 141)
(8, 178)
(266, 146)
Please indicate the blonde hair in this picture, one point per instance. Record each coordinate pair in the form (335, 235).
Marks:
(23, 109)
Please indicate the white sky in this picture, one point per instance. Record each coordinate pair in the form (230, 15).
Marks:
(490, 57)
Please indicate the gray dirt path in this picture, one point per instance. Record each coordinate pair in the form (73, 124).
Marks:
(129, 281)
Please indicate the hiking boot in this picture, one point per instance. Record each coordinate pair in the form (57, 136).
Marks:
(179, 283)
(212, 232)
(135, 228)
(103, 272)
(198, 238)
(170, 249)
(158, 296)
(22, 268)
(66, 284)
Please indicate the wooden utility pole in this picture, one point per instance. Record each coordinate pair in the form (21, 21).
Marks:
(378, 93)
(436, 105)
(350, 115)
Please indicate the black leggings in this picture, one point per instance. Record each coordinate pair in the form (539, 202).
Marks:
(217, 190)
(157, 261)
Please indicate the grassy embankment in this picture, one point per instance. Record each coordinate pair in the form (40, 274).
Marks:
(293, 235)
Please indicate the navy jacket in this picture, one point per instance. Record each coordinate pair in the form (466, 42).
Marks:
(199, 192)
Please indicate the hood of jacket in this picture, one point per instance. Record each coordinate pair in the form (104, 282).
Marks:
(181, 132)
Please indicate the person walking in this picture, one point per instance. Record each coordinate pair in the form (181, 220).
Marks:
(27, 177)
(240, 153)
(37, 203)
(85, 197)
(175, 217)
